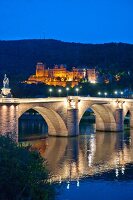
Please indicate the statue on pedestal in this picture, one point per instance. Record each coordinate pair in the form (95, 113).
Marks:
(6, 91)
(5, 82)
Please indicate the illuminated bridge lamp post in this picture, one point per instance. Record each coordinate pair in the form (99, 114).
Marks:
(99, 93)
(50, 91)
(115, 92)
(67, 89)
(121, 94)
(105, 94)
(77, 90)
(59, 91)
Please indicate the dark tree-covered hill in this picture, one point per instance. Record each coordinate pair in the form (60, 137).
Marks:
(18, 58)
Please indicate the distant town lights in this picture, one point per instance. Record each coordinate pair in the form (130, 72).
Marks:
(115, 92)
(93, 81)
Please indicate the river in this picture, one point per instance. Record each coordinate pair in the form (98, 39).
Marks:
(95, 165)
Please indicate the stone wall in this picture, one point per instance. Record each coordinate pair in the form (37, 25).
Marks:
(9, 120)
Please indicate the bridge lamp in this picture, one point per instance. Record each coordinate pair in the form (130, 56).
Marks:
(59, 91)
(105, 94)
(77, 90)
(121, 93)
(50, 91)
(99, 93)
(67, 89)
(116, 92)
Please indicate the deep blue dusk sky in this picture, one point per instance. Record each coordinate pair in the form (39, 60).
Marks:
(87, 21)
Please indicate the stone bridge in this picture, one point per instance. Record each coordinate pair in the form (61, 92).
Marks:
(63, 115)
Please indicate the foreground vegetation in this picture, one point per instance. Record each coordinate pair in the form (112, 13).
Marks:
(23, 175)
(18, 60)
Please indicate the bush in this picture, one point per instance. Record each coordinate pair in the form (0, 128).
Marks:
(23, 175)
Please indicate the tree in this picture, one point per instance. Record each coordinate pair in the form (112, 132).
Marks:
(23, 175)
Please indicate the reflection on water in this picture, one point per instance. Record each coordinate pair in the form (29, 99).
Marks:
(86, 155)
(91, 160)
(32, 127)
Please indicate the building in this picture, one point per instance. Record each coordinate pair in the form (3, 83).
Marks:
(91, 75)
(60, 76)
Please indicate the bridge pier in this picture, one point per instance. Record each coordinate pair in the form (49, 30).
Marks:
(119, 119)
(73, 116)
(72, 122)
(9, 120)
(110, 125)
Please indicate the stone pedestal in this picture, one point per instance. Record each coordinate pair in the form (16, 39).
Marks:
(72, 122)
(6, 92)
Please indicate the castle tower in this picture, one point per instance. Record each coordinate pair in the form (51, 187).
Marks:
(40, 69)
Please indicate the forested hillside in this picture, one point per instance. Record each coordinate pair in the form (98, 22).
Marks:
(18, 58)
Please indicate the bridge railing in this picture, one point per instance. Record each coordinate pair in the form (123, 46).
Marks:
(9, 100)
(57, 99)
(31, 100)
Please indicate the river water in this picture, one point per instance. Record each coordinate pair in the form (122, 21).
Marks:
(95, 165)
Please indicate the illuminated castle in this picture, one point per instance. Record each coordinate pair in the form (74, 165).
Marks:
(60, 76)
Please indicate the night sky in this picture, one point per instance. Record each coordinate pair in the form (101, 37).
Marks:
(87, 21)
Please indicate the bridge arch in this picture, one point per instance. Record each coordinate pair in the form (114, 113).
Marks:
(56, 125)
(105, 120)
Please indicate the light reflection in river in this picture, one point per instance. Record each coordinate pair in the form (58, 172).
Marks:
(86, 155)
(97, 163)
